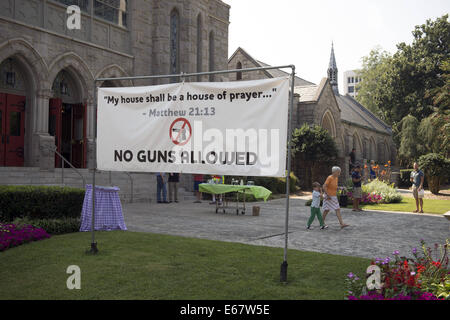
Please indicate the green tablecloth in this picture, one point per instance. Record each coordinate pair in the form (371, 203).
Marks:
(257, 191)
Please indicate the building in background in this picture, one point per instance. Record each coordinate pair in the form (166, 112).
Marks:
(351, 80)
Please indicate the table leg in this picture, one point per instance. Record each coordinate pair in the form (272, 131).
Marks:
(243, 211)
(237, 203)
(217, 207)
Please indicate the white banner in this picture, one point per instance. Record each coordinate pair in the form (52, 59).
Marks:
(224, 128)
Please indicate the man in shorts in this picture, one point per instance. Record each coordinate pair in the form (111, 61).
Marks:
(417, 178)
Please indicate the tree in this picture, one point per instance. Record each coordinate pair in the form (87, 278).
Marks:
(376, 86)
(437, 169)
(313, 145)
(413, 83)
(405, 83)
(409, 143)
(434, 133)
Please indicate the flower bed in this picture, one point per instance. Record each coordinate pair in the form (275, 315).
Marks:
(12, 235)
(377, 191)
(401, 278)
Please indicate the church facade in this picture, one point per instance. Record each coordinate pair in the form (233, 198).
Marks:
(349, 123)
(47, 70)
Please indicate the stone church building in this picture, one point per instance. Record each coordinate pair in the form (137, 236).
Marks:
(47, 71)
(349, 123)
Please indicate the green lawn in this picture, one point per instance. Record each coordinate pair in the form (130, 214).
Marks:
(409, 205)
(134, 265)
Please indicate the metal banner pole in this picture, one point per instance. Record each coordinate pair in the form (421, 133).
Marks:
(94, 248)
(284, 265)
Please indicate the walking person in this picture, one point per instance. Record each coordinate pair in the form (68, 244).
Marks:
(198, 179)
(317, 195)
(357, 191)
(161, 188)
(330, 201)
(174, 179)
(417, 179)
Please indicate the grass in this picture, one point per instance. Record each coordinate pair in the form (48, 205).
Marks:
(435, 206)
(134, 265)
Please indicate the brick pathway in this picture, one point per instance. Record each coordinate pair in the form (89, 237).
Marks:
(371, 234)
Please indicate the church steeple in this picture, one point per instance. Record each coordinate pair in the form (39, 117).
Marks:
(333, 71)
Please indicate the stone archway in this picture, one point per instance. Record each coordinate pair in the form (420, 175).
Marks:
(114, 71)
(72, 92)
(24, 78)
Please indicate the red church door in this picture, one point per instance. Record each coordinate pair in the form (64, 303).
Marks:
(79, 135)
(12, 130)
(67, 123)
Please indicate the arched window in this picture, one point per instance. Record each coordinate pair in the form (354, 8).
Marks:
(239, 74)
(373, 150)
(328, 123)
(174, 43)
(357, 145)
(199, 44)
(211, 55)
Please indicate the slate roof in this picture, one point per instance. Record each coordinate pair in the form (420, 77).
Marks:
(355, 113)
(273, 73)
(352, 111)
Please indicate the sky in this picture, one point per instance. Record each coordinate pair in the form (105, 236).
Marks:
(300, 32)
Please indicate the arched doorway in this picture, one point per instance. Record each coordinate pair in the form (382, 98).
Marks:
(13, 92)
(67, 120)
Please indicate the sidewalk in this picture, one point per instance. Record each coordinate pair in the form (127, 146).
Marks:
(371, 233)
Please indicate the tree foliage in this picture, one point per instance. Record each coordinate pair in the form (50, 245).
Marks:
(410, 90)
(314, 143)
(315, 147)
(409, 142)
(412, 81)
(437, 169)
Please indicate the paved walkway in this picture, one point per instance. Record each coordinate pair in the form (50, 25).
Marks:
(371, 234)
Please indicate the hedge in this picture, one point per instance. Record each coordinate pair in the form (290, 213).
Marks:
(52, 226)
(405, 175)
(276, 185)
(40, 202)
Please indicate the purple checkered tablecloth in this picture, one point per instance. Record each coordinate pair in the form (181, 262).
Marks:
(108, 210)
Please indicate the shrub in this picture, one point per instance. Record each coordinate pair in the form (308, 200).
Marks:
(39, 202)
(52, 226)
(276, 185)
(405, 182)
(405, 175)
(437, 168)
(12, 235)
(379, 188)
